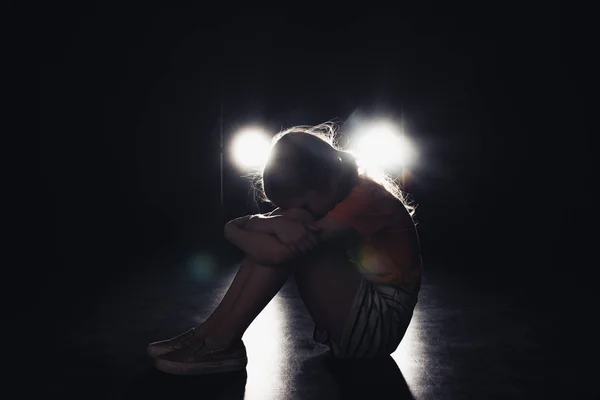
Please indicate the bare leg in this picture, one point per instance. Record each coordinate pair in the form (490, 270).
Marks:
(327, 284)
(224, 306)
(219, 351)
(226, 303)
(259, 288)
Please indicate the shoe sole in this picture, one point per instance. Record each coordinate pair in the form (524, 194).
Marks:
(176, 368)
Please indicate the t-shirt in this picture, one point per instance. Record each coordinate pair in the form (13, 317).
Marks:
(388, 251)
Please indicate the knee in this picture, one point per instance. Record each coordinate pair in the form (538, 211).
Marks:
(250, 262)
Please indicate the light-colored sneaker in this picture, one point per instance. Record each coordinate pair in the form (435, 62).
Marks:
(198, 360)
(156, 349)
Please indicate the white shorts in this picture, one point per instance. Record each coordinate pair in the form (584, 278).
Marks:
(376, 324)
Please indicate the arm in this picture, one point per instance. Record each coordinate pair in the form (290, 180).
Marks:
(262, 223)
(267, 223)
(263, 248)
(327, 229)
(276, 238)
(255, 236)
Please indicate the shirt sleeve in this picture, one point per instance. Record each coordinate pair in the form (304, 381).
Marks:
(367, 209)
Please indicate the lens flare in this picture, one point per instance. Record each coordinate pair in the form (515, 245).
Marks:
(382, 146)
(202, 266)
(250, 148)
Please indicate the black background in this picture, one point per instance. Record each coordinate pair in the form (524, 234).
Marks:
(115, 111)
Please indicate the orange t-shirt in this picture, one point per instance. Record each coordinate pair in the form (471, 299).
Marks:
(388, 251)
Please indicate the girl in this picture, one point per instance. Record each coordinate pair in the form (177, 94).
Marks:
(349, 241)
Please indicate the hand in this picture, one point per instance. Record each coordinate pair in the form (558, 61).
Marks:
(296, 235)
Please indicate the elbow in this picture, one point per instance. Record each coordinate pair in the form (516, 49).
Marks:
(228, 230)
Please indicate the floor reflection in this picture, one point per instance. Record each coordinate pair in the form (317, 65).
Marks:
(265, 342)
(411, 353)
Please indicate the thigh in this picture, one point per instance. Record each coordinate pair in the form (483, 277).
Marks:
(328, 283)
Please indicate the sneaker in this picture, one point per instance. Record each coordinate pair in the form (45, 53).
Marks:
(166, 346)
(197, 360)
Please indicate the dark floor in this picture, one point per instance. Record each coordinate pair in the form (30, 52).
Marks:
(465, 341)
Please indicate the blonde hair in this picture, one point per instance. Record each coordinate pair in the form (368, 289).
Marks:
(329, 133)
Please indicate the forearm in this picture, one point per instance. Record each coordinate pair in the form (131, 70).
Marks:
(263, 248)
(239, 222)
(262, 223)
(266, 223)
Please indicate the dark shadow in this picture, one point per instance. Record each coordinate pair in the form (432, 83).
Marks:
(372, 379)
(154, 384)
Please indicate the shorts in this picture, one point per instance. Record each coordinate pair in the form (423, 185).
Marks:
(377, 322)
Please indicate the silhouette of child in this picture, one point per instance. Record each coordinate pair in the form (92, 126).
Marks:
(348, 239)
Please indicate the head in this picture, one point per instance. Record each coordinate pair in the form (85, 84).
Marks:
(304, 170)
